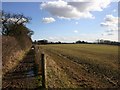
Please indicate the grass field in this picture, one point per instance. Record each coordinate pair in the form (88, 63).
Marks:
(83, 65)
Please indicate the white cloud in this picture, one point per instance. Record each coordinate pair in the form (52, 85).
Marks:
(110, 36)
(48, 20)
(114, 10)
(90, 0)
(110, 22)
(86, 37)
(90, 5)
(76, 31)
(74, 10)
(13, 20)
(61, 9)
(76, 22)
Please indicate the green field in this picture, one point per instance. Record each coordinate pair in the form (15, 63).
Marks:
(84, 65)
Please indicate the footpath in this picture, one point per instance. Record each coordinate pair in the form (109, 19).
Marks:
(24, 75)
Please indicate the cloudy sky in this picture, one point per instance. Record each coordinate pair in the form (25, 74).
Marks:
(69, 21)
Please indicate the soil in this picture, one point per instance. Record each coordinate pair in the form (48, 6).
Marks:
(75, 75)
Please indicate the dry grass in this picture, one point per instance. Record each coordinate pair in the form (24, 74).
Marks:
(96, 63)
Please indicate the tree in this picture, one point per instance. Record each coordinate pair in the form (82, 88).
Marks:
(82, 42)
(78, 41)
(42, 41)
(11, 21)
(30, 33)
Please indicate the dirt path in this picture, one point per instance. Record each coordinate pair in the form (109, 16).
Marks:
(23, 75)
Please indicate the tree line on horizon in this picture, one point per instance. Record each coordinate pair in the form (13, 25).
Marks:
(101, 41)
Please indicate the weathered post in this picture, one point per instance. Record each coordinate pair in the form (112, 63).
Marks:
(43, 70)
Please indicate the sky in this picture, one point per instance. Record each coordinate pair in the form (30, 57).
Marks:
(69, 21)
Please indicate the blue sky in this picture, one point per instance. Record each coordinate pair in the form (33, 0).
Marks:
(67, 29)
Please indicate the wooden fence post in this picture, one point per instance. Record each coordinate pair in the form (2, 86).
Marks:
(43, 70)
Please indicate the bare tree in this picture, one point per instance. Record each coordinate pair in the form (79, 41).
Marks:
(10, 21)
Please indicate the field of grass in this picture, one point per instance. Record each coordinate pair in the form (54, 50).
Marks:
(85, 65)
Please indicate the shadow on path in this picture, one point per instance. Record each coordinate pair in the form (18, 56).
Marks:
(24, 75)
